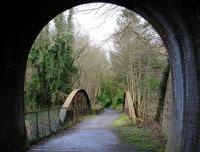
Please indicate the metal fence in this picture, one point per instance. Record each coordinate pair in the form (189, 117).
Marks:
(43, 123)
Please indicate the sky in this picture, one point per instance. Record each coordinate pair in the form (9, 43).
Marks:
(99, 23)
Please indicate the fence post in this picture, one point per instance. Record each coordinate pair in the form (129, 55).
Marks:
(59, 123)
(37, 127)
(78, 113)
(82, 112)
(49, 121)
(74, 113)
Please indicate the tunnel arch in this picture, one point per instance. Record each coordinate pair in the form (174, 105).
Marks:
(178, 29)
(78, 96)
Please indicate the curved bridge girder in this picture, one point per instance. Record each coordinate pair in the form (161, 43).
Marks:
(128, 106)
(77, 100)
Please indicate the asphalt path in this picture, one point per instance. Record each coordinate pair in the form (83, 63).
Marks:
(90, 135)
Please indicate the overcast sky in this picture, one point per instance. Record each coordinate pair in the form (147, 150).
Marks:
(98, 21)
(99, 24)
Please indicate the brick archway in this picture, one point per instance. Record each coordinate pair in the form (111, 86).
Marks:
(178, 24)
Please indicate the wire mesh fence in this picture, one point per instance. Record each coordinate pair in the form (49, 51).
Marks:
(43, 123)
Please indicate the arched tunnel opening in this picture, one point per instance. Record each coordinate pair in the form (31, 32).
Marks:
(178, 30)
(96, 68)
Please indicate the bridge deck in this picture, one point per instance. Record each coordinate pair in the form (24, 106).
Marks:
(92, 135)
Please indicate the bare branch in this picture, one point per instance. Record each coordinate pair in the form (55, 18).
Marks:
(89, 10)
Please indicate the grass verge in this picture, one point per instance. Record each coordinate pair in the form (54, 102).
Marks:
(141, 136)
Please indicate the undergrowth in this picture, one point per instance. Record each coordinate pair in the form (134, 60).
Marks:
(143, 137)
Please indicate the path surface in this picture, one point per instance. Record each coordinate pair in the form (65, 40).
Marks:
(92, 135)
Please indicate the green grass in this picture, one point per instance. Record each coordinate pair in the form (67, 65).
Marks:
(141, 138)
(118, 107)
(122, 120)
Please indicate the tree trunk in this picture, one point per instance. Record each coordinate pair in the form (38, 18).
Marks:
(162, 93)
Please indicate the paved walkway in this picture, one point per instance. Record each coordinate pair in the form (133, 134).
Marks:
(92, 135)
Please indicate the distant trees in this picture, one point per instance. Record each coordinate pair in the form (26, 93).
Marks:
(138, 63)
(112, 93)
(36, 91)
(93, 70)
(61, 60)
(50, 65)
